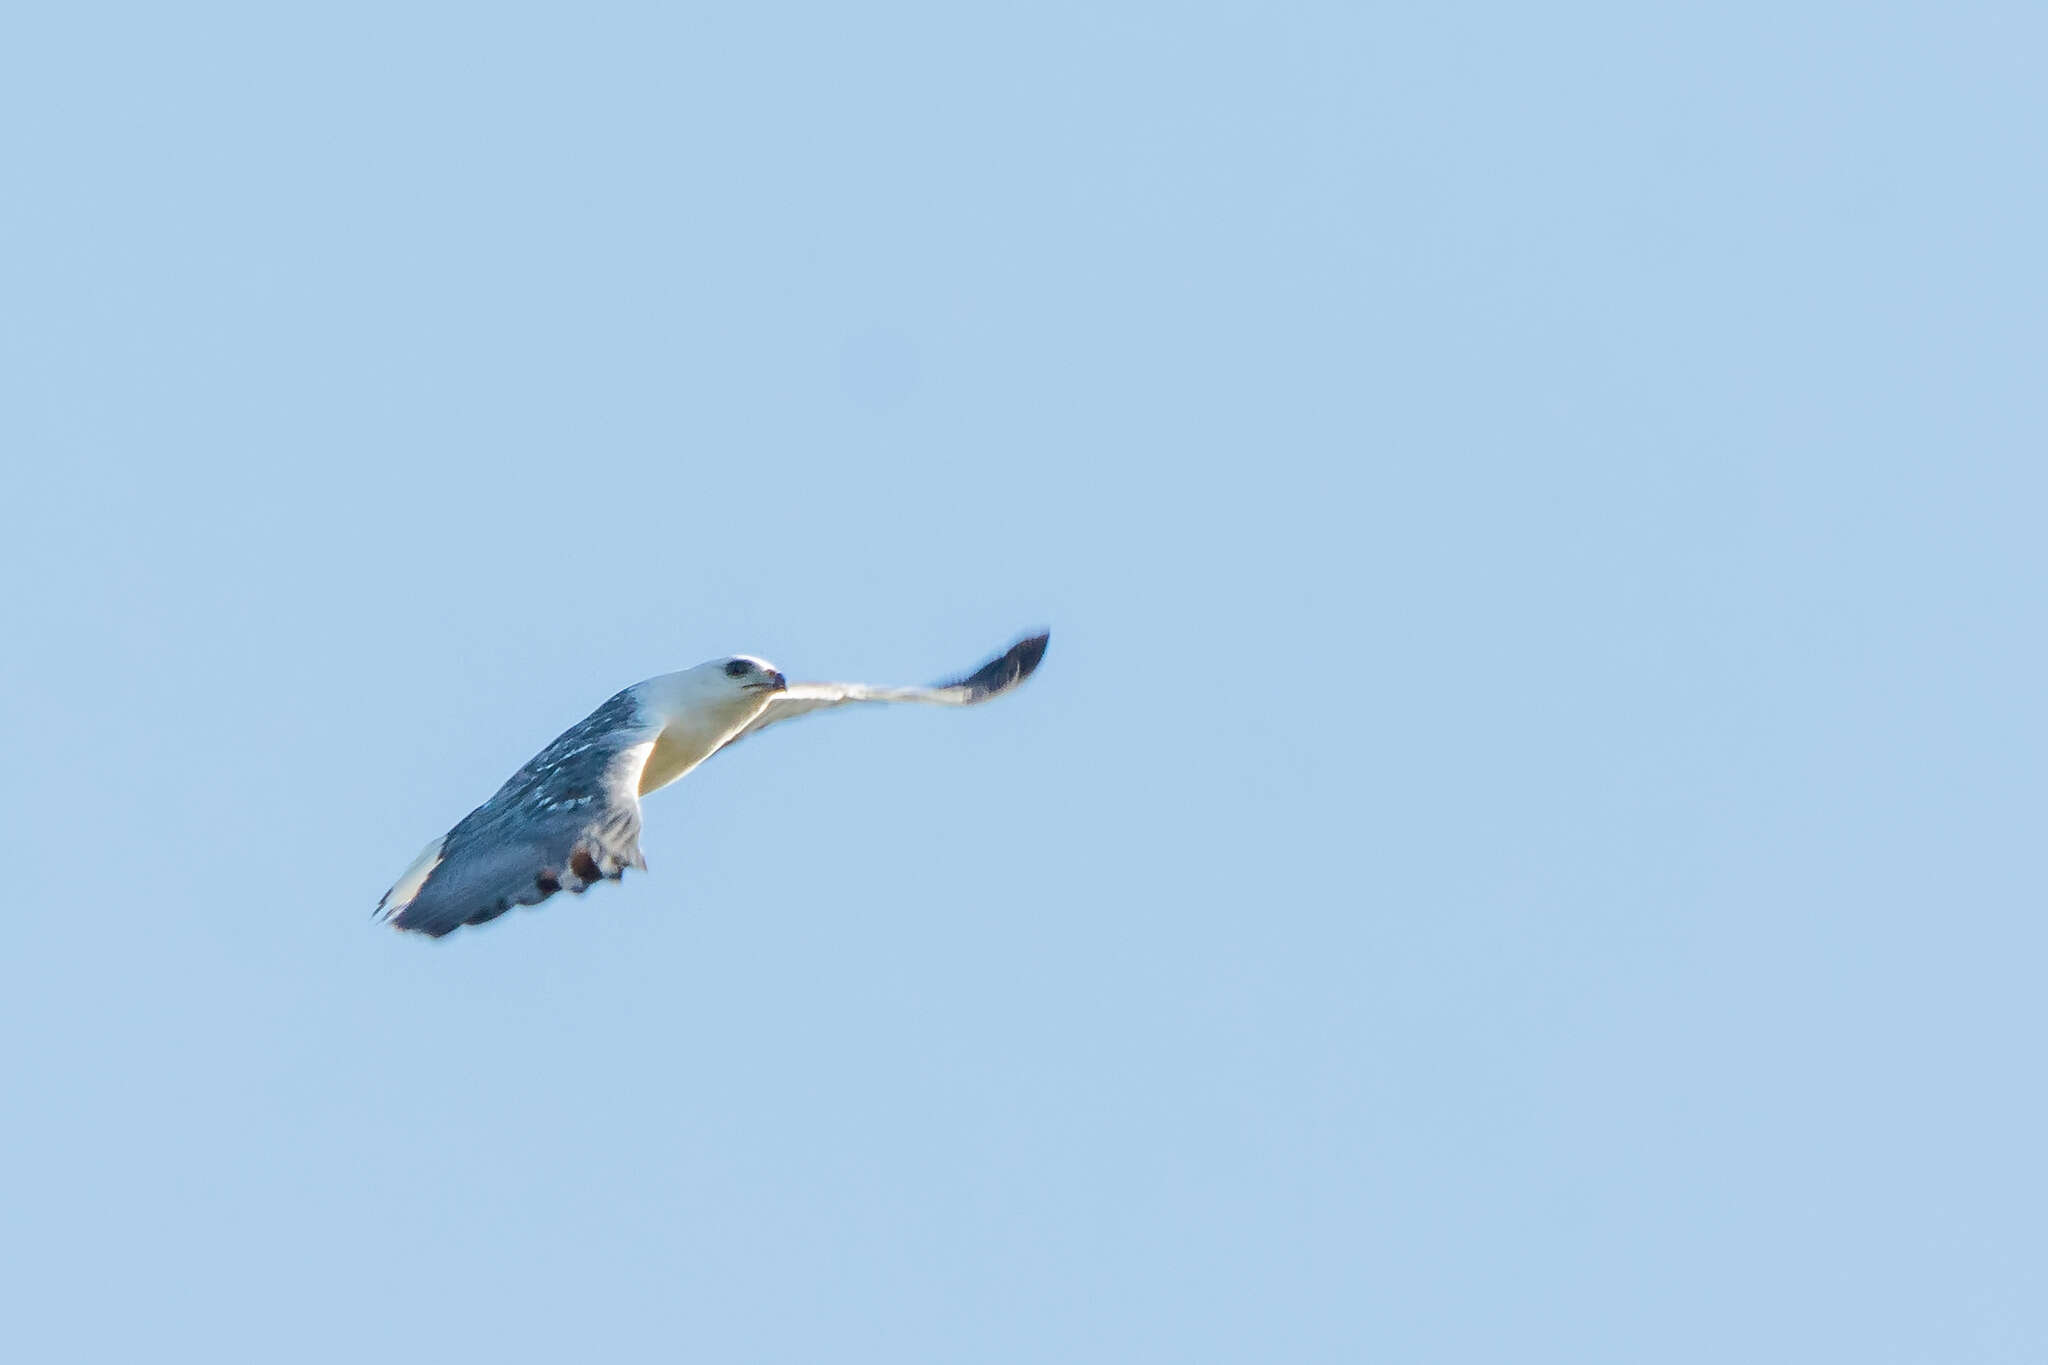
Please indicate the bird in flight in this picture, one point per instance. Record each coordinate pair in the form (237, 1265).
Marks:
(571, 817)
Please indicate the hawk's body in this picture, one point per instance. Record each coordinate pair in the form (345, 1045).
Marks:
(571, 816)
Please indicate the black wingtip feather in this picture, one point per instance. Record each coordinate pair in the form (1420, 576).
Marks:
(1028, 651)
(1006, 670)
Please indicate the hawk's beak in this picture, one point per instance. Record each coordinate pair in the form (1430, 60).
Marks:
(778, 682)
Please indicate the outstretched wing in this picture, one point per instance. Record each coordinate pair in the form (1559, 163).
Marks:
(992, 679)
(568, 819)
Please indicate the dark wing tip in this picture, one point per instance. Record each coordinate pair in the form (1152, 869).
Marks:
(1028, 651)
(1005, 671)
(408, 921)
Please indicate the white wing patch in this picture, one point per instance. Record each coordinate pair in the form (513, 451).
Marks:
(409, 883)
(992, 679)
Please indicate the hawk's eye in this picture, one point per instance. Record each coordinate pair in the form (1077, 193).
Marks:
(738, 668)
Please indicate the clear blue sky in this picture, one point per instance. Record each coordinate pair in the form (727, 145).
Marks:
(1526, 845)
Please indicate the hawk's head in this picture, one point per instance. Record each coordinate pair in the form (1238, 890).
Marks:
(746, 673)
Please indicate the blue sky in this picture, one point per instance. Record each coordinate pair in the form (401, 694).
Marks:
(1525, 845)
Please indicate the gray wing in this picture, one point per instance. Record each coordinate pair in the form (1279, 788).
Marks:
(567, 820)
(992, 679)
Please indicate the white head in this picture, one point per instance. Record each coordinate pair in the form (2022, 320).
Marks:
(734, 687)
(747, 673)
(721, 694)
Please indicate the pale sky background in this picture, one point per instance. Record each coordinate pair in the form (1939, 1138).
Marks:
(1526, 845)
